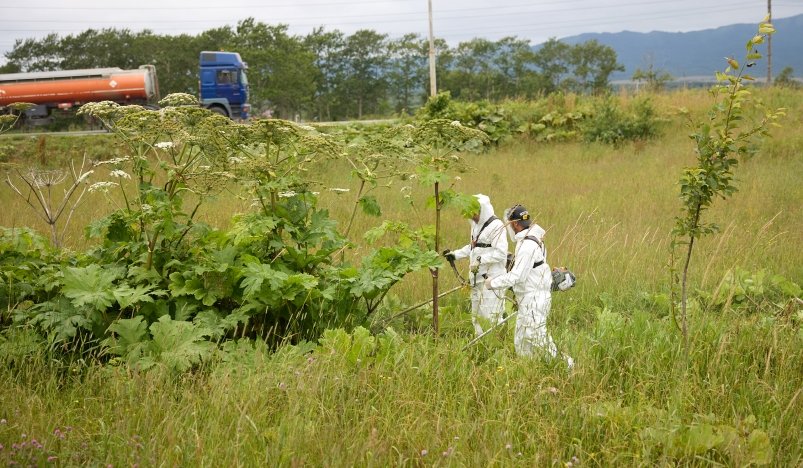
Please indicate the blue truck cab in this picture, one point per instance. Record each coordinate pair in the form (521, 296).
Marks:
(224, 85)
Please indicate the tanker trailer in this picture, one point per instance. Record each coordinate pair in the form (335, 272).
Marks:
(72, 88)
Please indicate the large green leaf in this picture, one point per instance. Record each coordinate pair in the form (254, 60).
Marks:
(90, 286)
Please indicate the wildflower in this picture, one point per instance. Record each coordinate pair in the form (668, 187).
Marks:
(307, 128)
(508, 446)
(235, 160)
(52, 458)
(3, 421)
(112, 162)
(339, 190)
(458, 178)
(288, 194)
(120, 174)
(102, 186)
(164, 144)
(552, 390)
(456, 123)
(282, 386)
(424, 452)
(448, 452)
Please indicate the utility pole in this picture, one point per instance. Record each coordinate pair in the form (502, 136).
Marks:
(432, 88)
(769, 45)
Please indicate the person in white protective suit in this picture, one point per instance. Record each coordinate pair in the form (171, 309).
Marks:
(531, 281)
(487, 254)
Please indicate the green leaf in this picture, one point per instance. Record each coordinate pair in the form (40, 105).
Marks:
(130, 340)
(179, 344)
(127, 296)
(759, 447)
(89, 286)
(369, 205)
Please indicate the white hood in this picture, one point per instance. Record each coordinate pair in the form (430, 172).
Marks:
(486, 211)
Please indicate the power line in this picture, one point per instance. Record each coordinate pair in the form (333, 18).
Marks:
(540, 24)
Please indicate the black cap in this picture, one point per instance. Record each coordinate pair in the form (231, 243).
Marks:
(520, 214)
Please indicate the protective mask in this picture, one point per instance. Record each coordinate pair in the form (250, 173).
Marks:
(511, 232)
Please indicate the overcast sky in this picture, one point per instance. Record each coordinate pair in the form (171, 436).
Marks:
(454, 20)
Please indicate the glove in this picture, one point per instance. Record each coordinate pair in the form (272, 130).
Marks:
(488, 283)
(449, 255)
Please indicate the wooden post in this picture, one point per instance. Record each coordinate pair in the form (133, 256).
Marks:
(433, 90)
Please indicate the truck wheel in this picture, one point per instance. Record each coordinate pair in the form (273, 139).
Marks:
(219, 110)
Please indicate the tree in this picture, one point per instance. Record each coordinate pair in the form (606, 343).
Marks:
(327, 47)
(473, 69)
(514, 64)
(31, 55)
(719, 142)
(655, 79)
(552, 61)
(283, 68)
(592, 64)
(786, 79)
(366, 59)
(407, 71)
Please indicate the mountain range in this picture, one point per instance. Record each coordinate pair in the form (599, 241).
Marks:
(701, 53)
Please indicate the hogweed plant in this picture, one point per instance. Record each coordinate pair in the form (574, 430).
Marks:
(42, 192)
(374, 159)
(174, 151)
(40, 186)
(728, 135)
(11, 119)
(277, 157)
(435, 146)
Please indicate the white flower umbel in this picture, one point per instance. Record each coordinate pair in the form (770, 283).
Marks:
(102, 186)
(119, 174)
(287, 194)
(164, 144)
(112, 162)
(339, 190)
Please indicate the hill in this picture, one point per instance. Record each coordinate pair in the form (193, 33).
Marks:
(700, 53)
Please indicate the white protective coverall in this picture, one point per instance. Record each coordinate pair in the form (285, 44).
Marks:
(532, 287)
(487, 254)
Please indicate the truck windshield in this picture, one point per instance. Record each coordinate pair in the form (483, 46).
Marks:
(243, 78)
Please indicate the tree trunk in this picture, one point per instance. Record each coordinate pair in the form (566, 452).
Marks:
(683, 286)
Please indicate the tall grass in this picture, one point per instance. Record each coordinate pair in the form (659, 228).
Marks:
(428, 403)
(631, 400)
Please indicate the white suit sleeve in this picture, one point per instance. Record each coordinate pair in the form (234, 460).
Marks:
(462, 252)
(526, 255)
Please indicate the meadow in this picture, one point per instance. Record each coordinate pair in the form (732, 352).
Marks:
(404, 396)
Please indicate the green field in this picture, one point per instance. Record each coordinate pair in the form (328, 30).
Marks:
(407, 397)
